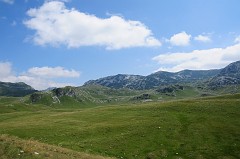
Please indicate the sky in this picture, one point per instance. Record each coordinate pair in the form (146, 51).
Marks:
(56, 43)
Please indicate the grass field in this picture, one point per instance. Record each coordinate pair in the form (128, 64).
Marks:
(13, 147)
(204, 128)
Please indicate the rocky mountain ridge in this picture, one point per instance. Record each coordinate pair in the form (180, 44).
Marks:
(229, 75)
(154, 80)
(215, 77)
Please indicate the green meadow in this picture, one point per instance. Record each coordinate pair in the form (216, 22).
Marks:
(203, 128)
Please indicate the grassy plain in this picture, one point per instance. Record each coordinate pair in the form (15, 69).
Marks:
(203, 128)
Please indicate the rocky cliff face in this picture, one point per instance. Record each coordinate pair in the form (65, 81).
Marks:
(67, 91)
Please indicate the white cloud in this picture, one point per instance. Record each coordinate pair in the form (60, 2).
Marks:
(55, 25)
(53, 72)
(237, 40)
(199, 59)
(202, 38)
(40, 83)
(180, 39)
(38, 78)
(5, 69)
(8, 1)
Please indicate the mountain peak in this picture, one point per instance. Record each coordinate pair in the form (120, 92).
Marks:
(230, 75)
(233, 68)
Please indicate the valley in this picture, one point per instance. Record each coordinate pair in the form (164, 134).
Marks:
(83, 79)
(196, 117)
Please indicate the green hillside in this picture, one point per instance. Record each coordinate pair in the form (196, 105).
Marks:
(15, 89)
(195, 128)
(13, 147)
(96, 95)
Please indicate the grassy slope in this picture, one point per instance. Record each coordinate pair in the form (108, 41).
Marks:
(13, 147)
(199, 128)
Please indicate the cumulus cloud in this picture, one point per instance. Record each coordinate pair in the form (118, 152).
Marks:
(8, 1)
(53, 72)
(180, 39)
(57, 25)
(40, 83)
(38, 77)
(202, 38)
(5, 69)
(199, 59)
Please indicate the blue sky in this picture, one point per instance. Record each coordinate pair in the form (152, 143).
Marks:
(68, 42)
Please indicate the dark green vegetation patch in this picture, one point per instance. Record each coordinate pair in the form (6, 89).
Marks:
(15, 89)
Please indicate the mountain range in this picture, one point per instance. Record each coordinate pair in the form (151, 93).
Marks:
(153, 80)
(214, 78)
(124, 88)
(154, 87)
